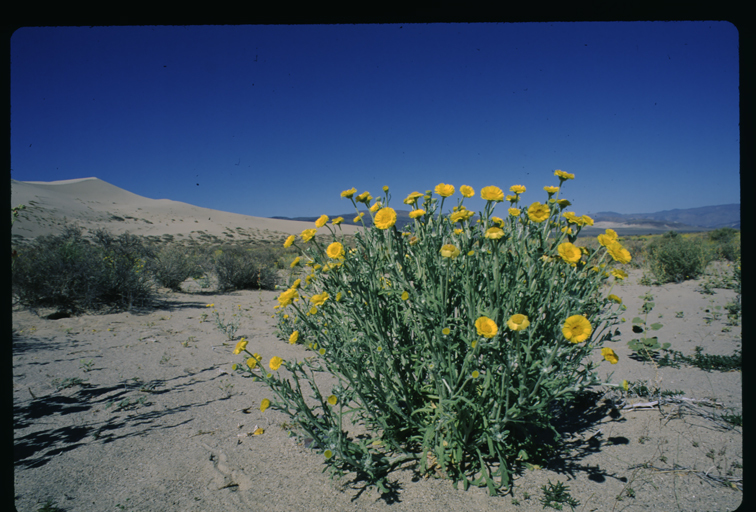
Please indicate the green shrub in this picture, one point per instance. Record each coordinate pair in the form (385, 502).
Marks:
(727, 242)
(451, 343)
(673, 258)
(68, 272)
(243, 269)
(172, 265)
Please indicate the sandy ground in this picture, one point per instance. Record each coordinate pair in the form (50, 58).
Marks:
(160, 422)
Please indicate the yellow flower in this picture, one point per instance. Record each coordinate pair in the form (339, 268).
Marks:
(563, 203)
(385, 188)
(290, 241)
(321, 221)
(275, 363)
(210, 305)
(416, 213)
(569, 252)
(264, 405)
(614, 298)
(498, 220)
(337, 221)
(365, 197)
(551, 190)
(571, 217)
(338, 297)
(467, 191)
(618, 252)
(333, 400)
(405, 296)
(335, 251)
(258, 432)
(307, 234)
(328, 454)
(295, 262)
(564, 175)
(459, 231)
(240, 346)
(586, 220)
(385, 218)
(609, 355)
(517, 189)
(475, 374)
(296, 284)
(512, 199)
(412, 198)
(625, 385)
(514, 211)
(349, 193)
(319, 299)
(294, 337)
(287, 297)
(375, 207)
(445, 331)
(444, 190)
(577, 328)
(486, 327)
(619, 274)
(359, 217)
(538, 212)
(252, 361)
(492, 193)
(518, 322)
(494, 233)
(414, 240)
(461, 216)
(449, 251)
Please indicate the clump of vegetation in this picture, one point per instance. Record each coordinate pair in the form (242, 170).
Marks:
(727, 242)
(451, 341)
(72, 273)
(172, 265)
(674, 258)
(238, 268)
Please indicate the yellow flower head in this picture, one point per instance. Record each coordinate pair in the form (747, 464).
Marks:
(614, 298)
(486, 327)
(252, 361)
(375, 207)
(444, 190)
(349, 193)
(275, 363)
(264, 404)
(498, 220)
(461, 216)
(609, 355)
(416, 213)
(290, 240)
(538, 212)
(385, 218)
(618, 253)
(551, 190)
(625, 385)
(512, 199)
(335, 250)
(412, 198)
(586, 220)
(359, 217)
(492, 193)
(514, 211)
(287, 297)
(296, 284)
(405, 296)
(321, 221)
(619, 274)
(337, 221)
(319, 299)
(333, 400)
(577, 328)
(385, 188)
(294, 337)
(467, 191)
(563, 203)
(517, 189)
(494, 233)
(445, 331)
(449, 251)
(295, 262)
(240, 346)
(365, 197)
(307, 234)
(475, 374)
(569, 252)
(518, 322)
(564, 175)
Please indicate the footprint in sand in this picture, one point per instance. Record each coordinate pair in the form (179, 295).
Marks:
(222, 475)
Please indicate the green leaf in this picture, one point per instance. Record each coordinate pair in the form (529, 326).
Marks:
(637, 320)
(657, 326)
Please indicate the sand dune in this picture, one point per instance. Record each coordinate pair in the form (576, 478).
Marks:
(93, 204)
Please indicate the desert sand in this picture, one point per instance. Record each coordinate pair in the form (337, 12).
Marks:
(141, 410)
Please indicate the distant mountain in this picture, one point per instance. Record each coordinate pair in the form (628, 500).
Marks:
(710, 217)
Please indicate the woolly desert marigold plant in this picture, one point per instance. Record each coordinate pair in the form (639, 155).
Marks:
(321, 221)
(307, 234)
(448, 342)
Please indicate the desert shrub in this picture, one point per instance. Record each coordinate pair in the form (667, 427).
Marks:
(450, 343)
(67, 271)
(673, 258)
(173, 264)
(243, 269)
(727, 241)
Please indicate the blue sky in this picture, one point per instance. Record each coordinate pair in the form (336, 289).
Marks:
(277, 120)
